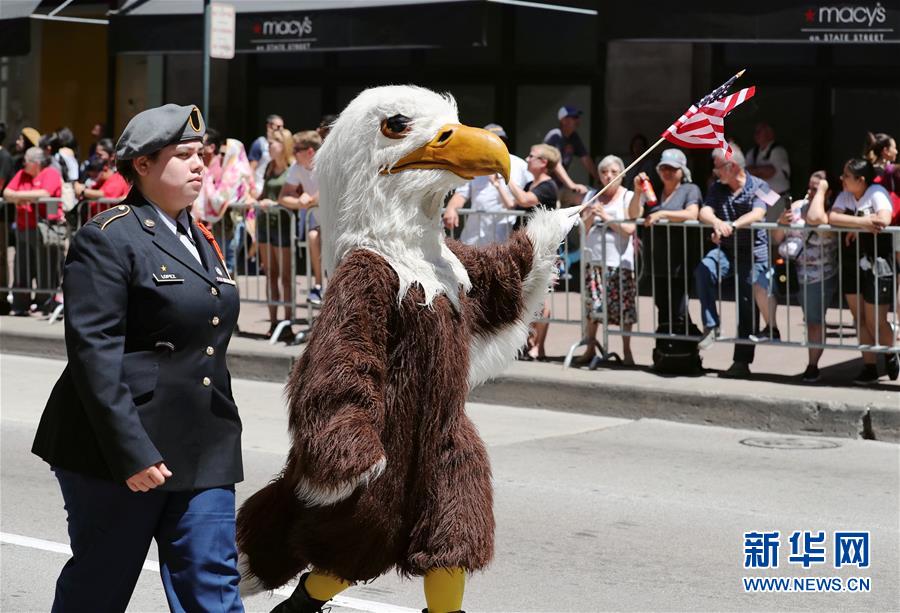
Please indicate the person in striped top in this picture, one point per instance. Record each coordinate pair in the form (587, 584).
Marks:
(734, 202)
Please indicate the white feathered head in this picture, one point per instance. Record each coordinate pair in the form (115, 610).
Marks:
(384, 170)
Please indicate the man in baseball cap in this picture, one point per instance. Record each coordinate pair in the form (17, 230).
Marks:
(568, 111)
(566, 139)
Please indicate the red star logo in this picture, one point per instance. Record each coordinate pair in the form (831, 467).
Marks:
(810, 15)
(257, 28)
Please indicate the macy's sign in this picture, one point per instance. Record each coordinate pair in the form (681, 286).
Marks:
(849, 15)
(279, 27)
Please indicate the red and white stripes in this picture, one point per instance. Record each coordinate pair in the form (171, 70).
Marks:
(704, 127)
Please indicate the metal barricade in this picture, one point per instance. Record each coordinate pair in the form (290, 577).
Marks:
(39, 254)
(38, 235)
(34, 268)
(256, 239)
(796, 284)
(496, 227)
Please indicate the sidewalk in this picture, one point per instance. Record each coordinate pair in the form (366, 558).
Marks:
(772, 400)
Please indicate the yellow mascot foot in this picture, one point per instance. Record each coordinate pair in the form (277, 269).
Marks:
(444, 589)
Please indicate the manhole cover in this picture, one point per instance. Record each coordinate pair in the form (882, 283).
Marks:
(790, 443)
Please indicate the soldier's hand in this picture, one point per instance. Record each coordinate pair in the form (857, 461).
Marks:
(149, 478)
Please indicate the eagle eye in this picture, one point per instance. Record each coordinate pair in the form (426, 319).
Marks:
(396, 126)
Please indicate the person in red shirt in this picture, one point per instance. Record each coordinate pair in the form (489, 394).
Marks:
(109, 185)
(34, 260)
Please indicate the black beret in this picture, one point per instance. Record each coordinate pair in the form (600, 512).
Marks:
(151, 130)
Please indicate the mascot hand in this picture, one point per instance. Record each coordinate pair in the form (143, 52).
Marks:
(344, 455)
(568, 218)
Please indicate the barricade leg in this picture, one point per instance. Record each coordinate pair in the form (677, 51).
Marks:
(25, 266)
(747, 316)
(671, 300)
(4, 265)
(50, 266)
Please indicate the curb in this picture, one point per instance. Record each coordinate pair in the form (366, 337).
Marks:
(749, 412)
(761, 413)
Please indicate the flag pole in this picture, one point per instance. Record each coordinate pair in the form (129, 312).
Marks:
(642, 156)
(630, 166)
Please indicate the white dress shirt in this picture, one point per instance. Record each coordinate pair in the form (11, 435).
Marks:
(186, 239)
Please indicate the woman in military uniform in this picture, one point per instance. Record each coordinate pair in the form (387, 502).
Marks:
(141, 430)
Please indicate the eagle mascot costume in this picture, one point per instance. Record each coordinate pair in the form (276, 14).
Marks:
(385, 469)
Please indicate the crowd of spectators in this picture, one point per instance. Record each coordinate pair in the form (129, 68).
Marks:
(259, 201)
(248, 202)
(853, 253)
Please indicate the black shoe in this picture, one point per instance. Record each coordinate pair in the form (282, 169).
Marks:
(867, 376)
(892, 365)
(811, 375)
(286, 335)
(738, 370)
(49, 306)
(300, 601)
(766, 335)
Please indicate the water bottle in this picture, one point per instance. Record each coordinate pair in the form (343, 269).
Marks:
(649, 194)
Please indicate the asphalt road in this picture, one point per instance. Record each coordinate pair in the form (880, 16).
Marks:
(593, 514)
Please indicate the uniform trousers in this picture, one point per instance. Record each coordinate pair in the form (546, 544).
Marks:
(110, 529)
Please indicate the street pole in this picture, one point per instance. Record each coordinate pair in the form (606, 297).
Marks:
(207, 27)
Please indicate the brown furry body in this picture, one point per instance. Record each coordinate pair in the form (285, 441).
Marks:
(386, 380)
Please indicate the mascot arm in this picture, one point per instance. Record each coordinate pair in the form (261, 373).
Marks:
(337, 388)
(509, 284)
(510, 280)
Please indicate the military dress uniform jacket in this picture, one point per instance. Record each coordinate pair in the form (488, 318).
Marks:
(147, 328)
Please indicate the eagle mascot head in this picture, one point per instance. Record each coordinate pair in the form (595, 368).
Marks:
(369, 198)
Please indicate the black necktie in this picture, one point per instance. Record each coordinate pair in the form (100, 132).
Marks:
(183, 230)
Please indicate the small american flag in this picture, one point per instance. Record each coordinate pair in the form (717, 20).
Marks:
(703, 125)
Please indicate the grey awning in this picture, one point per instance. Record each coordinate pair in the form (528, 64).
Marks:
(282, 26)
(15, 9)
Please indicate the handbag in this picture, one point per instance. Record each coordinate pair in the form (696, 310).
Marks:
(67, 195)
(53, 234)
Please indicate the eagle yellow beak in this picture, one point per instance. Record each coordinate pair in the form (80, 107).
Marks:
(464, 151)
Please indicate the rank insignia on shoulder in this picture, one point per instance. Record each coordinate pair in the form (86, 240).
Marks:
(167, 277)
(104, 218)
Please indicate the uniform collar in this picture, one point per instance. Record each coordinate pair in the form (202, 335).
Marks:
(145, 212)
(151, 216)
(170, 223)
